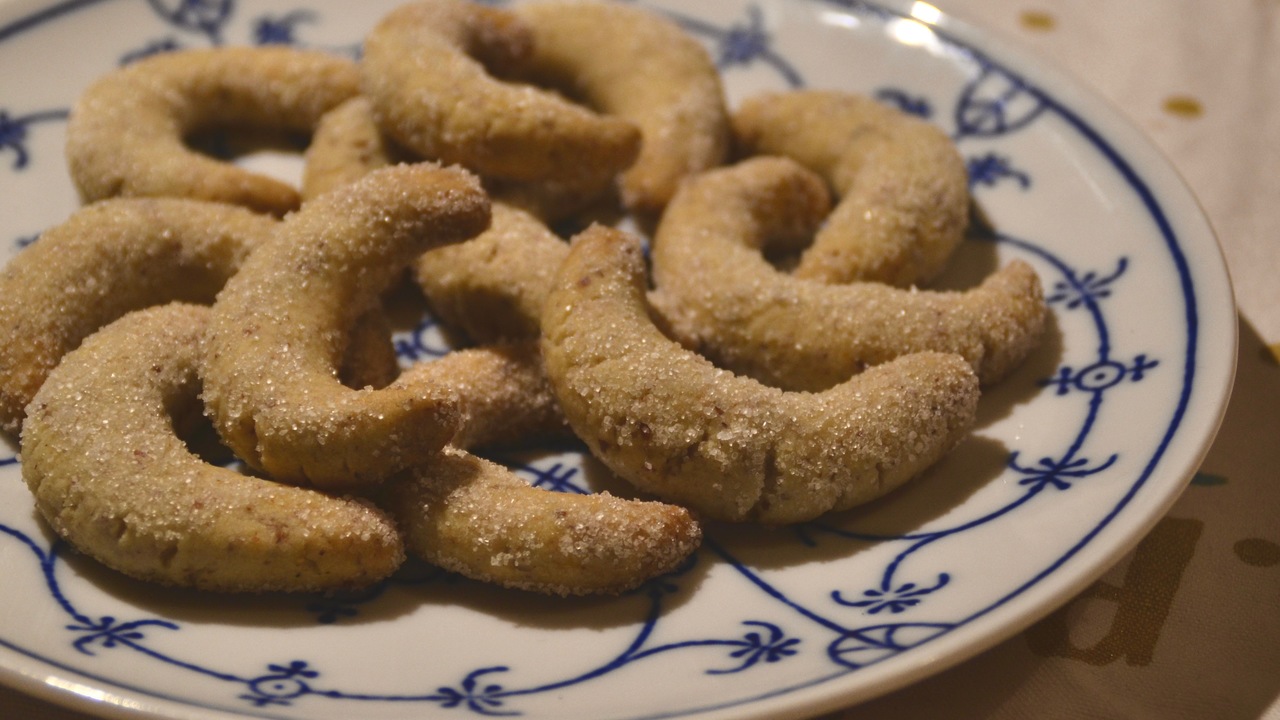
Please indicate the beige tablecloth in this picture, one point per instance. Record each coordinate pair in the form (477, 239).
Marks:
(1187, 626)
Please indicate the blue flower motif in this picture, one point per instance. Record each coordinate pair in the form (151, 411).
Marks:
(743, 43)
(917, 105)
(895, 600)
(1099, 376)
(484, 700)
(755, 647)
(991, 168)
(110, 634)
(13, 133)
(282, 686)
(1085, 289)
(1049, 472)
(206, 17)
(269, 30)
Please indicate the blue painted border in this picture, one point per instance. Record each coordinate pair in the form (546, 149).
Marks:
(1140, 188)
(50, 13)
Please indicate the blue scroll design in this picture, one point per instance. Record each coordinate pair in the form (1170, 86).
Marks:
(204, 17)
(997, 103)
(742, 44)
(14, 132)
(480, 691)
(205, 23)
(867, 620)
(1060, 473)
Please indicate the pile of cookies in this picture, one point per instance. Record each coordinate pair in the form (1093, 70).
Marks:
(189, 289)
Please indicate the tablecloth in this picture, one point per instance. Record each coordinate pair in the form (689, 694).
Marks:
(1188, 624)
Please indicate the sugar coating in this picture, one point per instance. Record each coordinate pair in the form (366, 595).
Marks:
(346, 145)
(109, 474)
(492, 287)
(426, 71)
(902, 184)
(127, 132)
(476, 518)
(280, 328)
(674, 424)
(104, 260)
(635, 64)
(720, 296)
(502, 392)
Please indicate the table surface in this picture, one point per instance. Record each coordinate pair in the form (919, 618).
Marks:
(1188, 625)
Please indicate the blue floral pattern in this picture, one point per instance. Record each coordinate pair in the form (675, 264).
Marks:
(14, 130)
(864, 620)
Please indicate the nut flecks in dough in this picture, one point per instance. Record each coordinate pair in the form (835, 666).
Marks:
(720, 296)
(109, 473)
(127, 133)
(280, 328)
(676, 426)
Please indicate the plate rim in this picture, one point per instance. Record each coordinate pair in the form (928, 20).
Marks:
(1033, 600)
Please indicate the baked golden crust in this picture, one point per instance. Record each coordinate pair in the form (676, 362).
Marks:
(109, 474)
(280, 329)
(426, 71)
(727, 446)
(346, 146)
(479, 519)
(476, 518)
(493, 286)
(902, 185)
(127, 132)
(635, 64)
(720, 296)
(104, 260)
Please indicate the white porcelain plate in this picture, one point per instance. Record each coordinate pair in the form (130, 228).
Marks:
(1073, 459)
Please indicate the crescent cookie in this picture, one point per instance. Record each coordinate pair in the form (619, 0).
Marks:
(127, 132)
(635, 64)
(675, 425)
(280, 327)
(720, 296)
(426, 71)
(492, 287)
(104, 260)
(477, 518)
(902, 184)
(346, 146)
(502, 392)
(110, 475)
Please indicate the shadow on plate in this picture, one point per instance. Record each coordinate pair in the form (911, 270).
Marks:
(924, 501)
(1217, 565)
